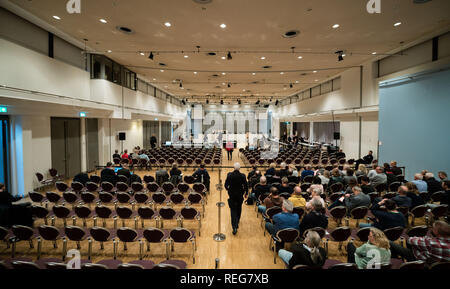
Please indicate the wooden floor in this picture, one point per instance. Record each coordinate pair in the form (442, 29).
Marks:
(248, 249)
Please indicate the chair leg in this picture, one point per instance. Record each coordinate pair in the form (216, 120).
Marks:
(125, 246)
(31, 244)
(89, 249)
(114, 249)
(167, 249)
(148, 247)
(55, 245)
(141, 245)
(115, 222)
(53, 220)
(95, 221)
(193, 251)
(74, 220)
(274, 252)
(135, 223)
(142, 222)
(39, 247)
(123, 222)
(64, 249)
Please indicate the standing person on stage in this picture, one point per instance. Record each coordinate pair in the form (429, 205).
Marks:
(153, 141)
(236, 185)
(229, 148)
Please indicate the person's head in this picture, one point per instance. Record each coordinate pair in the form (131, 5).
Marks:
(349, 172)
(326, 174)
(263, 180)
(273, 165)
(174, 166)
(446, 185)
(316, 192)
(2, 187)
(412, 187)
(254, 168)
(125, 165)
(393, 163)
(356, 190)
(290, 172)
(316, 204)
(402, 190)
(274, 191)
(418, 177)
(109, 164)
(287, 206)
(284, 181)
(297, 190)
(237, 166)
(312, 240)
(202, 166)
(390, 205)
(423, 172)
(362, 168)
(283, 165)
(317, 181)
(370, 152)
(340, 150)
(429, 176)
(364, 180)
(335, 172)
(352, 182)
(442, 175)
(386, 166)
(116, 151)
(379, 170)
(125, 151)
(440, 229)
(378, 238)
(308, 167)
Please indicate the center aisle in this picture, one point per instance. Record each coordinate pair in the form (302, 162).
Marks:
(248, 249)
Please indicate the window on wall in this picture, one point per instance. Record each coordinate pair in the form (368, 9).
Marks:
(4, 151)
(96, 68)
(117, 69)
(108, 69)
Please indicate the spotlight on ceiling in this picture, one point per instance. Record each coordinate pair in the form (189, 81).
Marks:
(229, 57)
(340, 54)
(151, 55)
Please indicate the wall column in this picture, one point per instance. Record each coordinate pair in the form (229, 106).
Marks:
(83, 144)
(311, 131)
(159, 132)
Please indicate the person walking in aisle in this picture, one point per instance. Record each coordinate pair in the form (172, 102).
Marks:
(229, 147)
(236, 185)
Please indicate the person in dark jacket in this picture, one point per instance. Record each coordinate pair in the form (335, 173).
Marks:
(396, 170)
(386, 219)
(12, 214)
(402, 200)
(175, 175)
(308, 253)
(81, 178)
(153, 141)
(315, 218)
(116, 155)
(261, 188)
(161, 175)
(433, 185)
(413, 194)
(236, 185)
(271, 170)
(202, 176)
(124, 171)
(108, 174)
(365, 185)
(446, 187)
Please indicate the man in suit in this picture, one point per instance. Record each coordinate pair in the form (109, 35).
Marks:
(236, 185)
(153, 141)
(161, 175)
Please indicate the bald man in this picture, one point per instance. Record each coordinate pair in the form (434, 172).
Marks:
(402, 199)
(237, 187)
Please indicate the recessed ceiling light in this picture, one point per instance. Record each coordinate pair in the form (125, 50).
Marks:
(167, 24)
(103, 21)
(162, 70)
(344, 55)
(109, 51)
(316, 80)
(223, 25)
(223, 57)
(154, 78)
(300, 57)
(195, 72)
(315, 71)
(57, 17)
(281, 72)
(374, 53)
(263, 57)
(186, 56)
(335, 26)
(142, 53)
(223, 73)
(253, 73)
(398, 24)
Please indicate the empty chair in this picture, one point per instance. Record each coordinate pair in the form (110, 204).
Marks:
(418, 212)
(189, 179)
(21, 233)
(126, 235)
(393, 187)
(100, 235)
(104, 213)
(83, 212)
(106, 198)
(188, 213)
(340, 235)
(41, 213)
(95, 179)
(125, 213)
(147, 213)
(338, 213)
(288, 235)
(155, 235)
(37, 197)
(176, 198)
(88, 198)
(124, 198)
(53, 197)
(152, 187)
(122, 179)
(92, 187)
(417, 231)
(393, 234)
(122, 187)
(75, 234)
(363, 234)
(168, 188)
(181, 235)
(158, 198)
(137, 187)
(166, 213)
(196, 198)
(199, 188)
(148, 179)
(61, 187)
(42, 181)
(63, 213)
(183, 188)
(71, 198)
(438, 211)
(107, 187)
(336, 187)
(358, 213)
(48, 233)
(141, 198)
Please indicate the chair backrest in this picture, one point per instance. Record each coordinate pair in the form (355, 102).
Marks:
(189, 213)
(393, 234)
(36, 197)
(61, 211)
(445, 265)
(95, 179)
(100, 234)
(338, 212)
(393, 187)
(176, 198)
(180, 235)
(53, 172)
(126, 234)
(288, 235)
(341, 234)
(130, 266)
(82, 211)
(77, 186)
(122, 186)
(122, 179)
(107, 187)
(24, 265)
(419, 211)
(146, 212)
(103, 211)
(437, 196)
(61, 186)
(413, 265)
(343, 266)
(199, 188)
(22, 232)
(270, 212)
(39, 211)
(158, 198)
(380, 188)
(123, 197)
(88, 197)
(359, 212)
(53, 197)
(440, 211)
(300, 211)
(334, 196)
(417, 231)
(154, 235)
(91, 187)
(70, 197)
(75, 233)
(124, 212)
(105, 197)
(48, 232)
(149, 179)
(336, 187)
(39, 177)
(152, 187)
(140, 197)
(167, 213)
(183, 187)
(137, 187)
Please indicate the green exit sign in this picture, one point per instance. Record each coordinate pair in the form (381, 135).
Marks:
(3, 109)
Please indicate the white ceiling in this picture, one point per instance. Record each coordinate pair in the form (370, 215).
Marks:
(252, 25)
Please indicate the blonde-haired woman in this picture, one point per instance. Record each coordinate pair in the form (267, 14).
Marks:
(308, 253)
(362, 171)
(377, 247)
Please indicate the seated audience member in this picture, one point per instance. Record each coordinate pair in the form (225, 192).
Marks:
(362, 171)
(116, 155)
(379, 178)
(324, 177)
(81, 178)
(297, 198)
(367, 160)
(413, 194)
(285, 219)
(143, 156)
(285, 188)
(315, 194)
(395, 170)
(175, 174)
(251, 173)
(351, 184)
(308, 253)
(13, 214)
(261, 188)
(294, 170)
(307, 172)
(442, 176)
(349, 176)
(362, 255)
(430, 249)
(340, 154)
(124, 171)
(365, 186)
(446, 187)
(283, 170)
(272, 200)
(388, 218)
(335, 177)
(351, 201)
(373, 171)
(255, 179)
(314, 218)
(108, 174)
(420, 183)
(271, 170)
(433, 185)
(402, 200)
(125, 155)
(387, 168)
(161, 175)
(201, 175)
